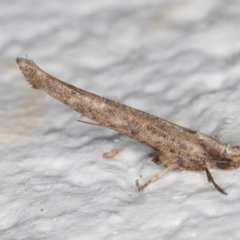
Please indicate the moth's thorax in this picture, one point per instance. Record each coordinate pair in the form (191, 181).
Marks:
(196, 153)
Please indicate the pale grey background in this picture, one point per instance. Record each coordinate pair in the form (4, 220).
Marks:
(178, 60)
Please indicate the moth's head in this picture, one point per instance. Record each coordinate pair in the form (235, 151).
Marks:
(230, 159)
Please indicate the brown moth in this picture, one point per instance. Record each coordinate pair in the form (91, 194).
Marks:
(176, 147)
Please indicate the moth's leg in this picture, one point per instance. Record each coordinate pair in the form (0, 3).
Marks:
(160, 159)
(210, 180)
(154, 179)
(90, 123)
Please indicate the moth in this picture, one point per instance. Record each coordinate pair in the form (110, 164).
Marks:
(176, 147)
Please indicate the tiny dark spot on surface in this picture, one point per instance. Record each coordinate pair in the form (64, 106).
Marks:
(73, 92)
(205, 148)
(125, 128)
(112, 125)
(134, 132)
(124, 118)
(143, 142)
(149, 127)
(180, 161)
(80, 107)
(110, 110)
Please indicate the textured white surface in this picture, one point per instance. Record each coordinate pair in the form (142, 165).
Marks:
(179, 60)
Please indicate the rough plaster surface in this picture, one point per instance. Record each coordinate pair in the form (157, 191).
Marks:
(179, 60)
